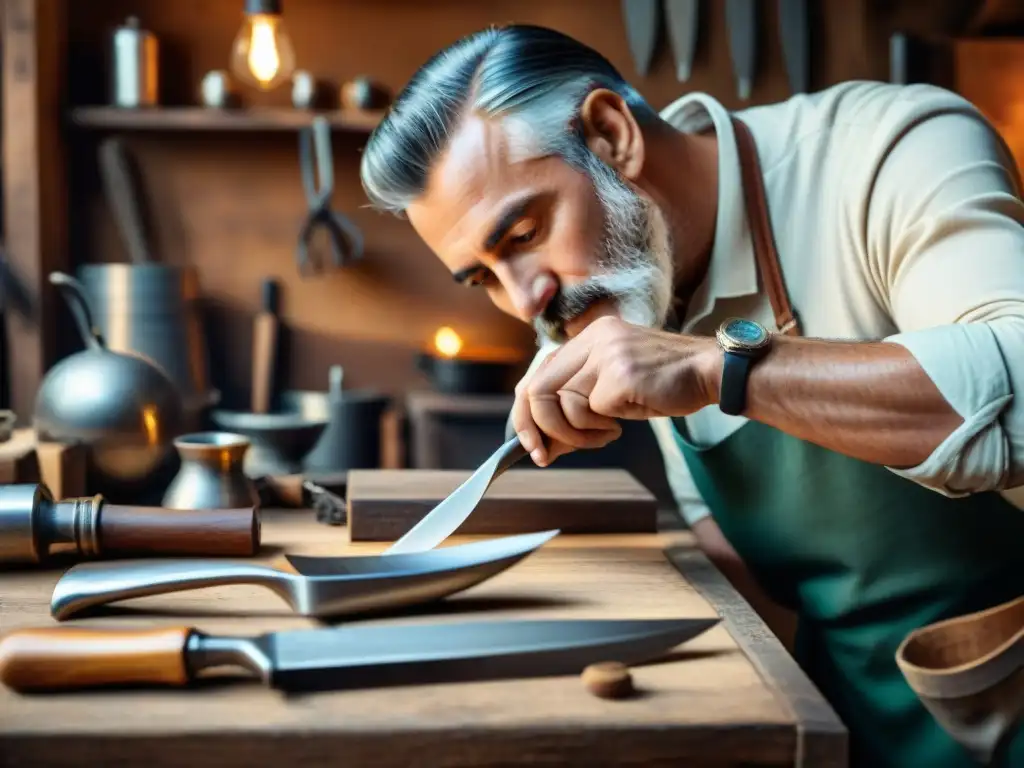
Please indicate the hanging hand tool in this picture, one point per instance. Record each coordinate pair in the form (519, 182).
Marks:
(793, 31)
(898, 44)
(682, 17)
(741, 17)
(643, 23)
(122, 188)
(316, 160)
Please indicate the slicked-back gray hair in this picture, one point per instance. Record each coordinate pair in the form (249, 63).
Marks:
(534, 78)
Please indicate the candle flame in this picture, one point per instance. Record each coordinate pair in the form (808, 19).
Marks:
(447, 342)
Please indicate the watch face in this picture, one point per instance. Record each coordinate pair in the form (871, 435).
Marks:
(742, 334)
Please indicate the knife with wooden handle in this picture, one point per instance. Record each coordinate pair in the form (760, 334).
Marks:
(60, 659)
(682, 17)
(741, 17)
(793, 31)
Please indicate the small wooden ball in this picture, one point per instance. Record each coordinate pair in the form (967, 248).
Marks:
(608, 680)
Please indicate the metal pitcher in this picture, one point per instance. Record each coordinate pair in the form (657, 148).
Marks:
(124, 408)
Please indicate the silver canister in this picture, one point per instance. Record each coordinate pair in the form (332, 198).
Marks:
(135, 66)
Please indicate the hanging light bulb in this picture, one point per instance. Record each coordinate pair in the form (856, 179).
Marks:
(262, 54)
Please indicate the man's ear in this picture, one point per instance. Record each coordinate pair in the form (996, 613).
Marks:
(612, 132)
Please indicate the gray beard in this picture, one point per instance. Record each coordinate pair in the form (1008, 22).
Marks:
(634, 270)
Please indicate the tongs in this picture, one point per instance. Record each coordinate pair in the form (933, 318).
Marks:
(316, 159)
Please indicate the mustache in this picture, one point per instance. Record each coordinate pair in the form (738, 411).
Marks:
(567, 304)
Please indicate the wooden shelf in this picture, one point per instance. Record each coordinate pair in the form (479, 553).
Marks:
(208, 119)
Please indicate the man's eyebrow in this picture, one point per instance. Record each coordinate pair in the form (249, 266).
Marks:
(509, 217)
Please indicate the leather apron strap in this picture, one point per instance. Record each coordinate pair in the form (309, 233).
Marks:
(765, 253)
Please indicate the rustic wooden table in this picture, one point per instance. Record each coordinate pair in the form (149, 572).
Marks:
(730, 697)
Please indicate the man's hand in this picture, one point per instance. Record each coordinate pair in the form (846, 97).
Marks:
(611, 370)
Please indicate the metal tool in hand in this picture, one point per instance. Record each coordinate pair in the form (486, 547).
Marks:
(37, 659)
(346, 240)
(443, 520)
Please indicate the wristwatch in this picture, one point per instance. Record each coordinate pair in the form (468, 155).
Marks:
(743, 343)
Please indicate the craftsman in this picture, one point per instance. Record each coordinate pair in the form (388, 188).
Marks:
(847, 448)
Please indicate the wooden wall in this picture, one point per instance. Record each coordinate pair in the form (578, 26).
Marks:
(991, 74)
(232, 203)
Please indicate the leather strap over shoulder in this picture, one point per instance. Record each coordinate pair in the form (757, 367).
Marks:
(758, 220)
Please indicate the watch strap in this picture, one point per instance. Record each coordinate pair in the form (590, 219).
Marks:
(732, 400)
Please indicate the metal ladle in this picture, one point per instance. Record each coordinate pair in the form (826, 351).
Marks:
(322, 587)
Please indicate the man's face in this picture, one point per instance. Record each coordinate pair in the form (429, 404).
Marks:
(549, 244)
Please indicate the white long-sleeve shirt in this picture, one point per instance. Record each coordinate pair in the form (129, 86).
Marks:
(897, 215)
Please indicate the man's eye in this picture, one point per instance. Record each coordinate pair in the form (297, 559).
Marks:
(478, 278)
(524, 237)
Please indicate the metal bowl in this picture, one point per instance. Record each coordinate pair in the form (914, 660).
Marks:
(280, 440)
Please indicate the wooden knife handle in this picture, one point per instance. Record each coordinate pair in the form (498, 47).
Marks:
(63, 658)
(264, 349)
(186, 533)
(264, 344)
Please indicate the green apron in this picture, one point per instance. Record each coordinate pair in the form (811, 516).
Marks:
(862, 555)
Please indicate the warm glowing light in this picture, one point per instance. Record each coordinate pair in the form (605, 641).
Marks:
(262, 54)
(447, 342)
(264, 60)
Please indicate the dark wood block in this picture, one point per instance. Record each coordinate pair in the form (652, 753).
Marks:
(384, 504)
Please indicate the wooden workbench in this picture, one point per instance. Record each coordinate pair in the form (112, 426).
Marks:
(730, 697)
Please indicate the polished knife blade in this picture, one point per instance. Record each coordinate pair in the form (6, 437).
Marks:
(443, 520)
(60, 658)
(642, 18)
(741, 17)
(794, 33)
(682, 17)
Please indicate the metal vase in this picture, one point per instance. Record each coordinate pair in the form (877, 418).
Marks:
(211, 475)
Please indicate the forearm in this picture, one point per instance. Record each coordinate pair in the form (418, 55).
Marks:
(868, 400)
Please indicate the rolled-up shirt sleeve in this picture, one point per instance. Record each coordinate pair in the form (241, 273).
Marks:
(946, 246)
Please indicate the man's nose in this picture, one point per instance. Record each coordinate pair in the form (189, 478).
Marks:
(531, 294)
